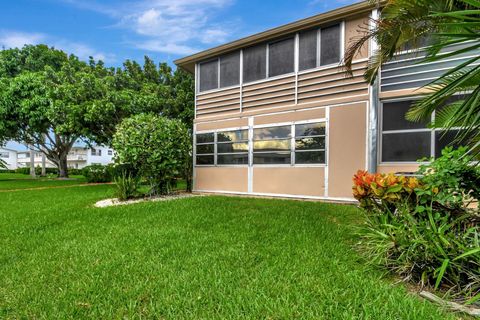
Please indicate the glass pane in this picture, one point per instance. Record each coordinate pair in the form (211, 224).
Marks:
(230, 70)
(205, 160)
(330, 45)
(209, 75)
(307, 58)
(272, 145)
(233, 136)
(232, 159)
(205, 137)
(400, 147)
(272, 133)
(445, 139)
(281, 57)
(394, 116)
(232, 147)
(254, 63)
(310, 143)
(271, 158)
(308, 157)
(310, 129)
(205, 148)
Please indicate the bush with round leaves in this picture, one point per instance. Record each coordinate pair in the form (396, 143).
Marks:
(157, 147)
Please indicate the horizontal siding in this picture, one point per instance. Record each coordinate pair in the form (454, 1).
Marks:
(406, 72)
(269, 93)
(219, 102)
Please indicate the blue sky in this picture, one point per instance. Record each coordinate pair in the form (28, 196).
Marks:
(116, 30)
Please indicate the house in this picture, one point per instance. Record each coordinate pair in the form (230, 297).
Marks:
(276, 115)
(9, 156)
(79, 157)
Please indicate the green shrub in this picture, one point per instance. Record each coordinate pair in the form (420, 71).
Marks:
(96, 173)
(25, 170)
(158, 148)
(425, 230)
(126, 186)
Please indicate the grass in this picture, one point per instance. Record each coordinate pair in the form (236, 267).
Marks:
(198, 258)
(15, 181)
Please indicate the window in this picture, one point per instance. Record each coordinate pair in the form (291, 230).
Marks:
(330, 45)
(96, 152)
(230, 70)
(232, 147)
(110, 152)
(405, 141)
(4, 155)
(307, 48)
(310, 143)
(209, 75)
(205, 149)
(254, 63)
(281, 57)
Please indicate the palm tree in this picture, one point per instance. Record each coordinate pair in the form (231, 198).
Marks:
(406, 24)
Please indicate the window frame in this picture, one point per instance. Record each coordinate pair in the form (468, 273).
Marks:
(432, 132)
(296, 70)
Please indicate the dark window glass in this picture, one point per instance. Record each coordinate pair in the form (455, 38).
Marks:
(230, 70)
(271, 145)
(309, 157)
(272, 133)
(205, 137)
(405, 146)
(281, 57)
(330, 45)
(232, 158)
(209, 75)
(232, 136)
(254, 63)
(272, 158)
(232, 147)
(310, 143)
(205, 160)
(310, 129)
(394, 116)
(205, 148)
(307, 50)
(447, 139)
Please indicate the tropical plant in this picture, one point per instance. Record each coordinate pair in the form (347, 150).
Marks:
(126, 186)
(407, 24)
(425, 229)
(97, 173)
(3, 164)
(157, 147)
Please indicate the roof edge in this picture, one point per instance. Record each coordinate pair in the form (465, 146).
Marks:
(329, 16)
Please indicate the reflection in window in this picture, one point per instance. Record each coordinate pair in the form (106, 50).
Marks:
(205, 149)
(310, 143)
(232, 147)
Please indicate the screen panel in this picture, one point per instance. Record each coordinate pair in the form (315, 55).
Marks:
(208, 75)
(330, 45)
(230, 70)
(307, 55)
(281, 57)
(254, 63)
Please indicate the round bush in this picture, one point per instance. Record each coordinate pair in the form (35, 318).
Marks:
(157, 147)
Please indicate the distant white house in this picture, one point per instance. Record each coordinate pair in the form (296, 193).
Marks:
(79, 157)
(10, 157)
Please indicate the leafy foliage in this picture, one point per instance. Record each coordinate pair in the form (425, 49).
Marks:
(97, 173)
(425, 230)
(159, 148)
(126, 186)
(410, 24)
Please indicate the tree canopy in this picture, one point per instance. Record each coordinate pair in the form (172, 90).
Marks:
(50, 100)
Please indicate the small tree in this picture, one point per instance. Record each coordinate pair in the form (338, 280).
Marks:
(159, 148)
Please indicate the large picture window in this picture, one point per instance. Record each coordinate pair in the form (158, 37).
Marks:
(205, 149)
(406, 141)
(272, 145)
(310, 143)
(232, 147)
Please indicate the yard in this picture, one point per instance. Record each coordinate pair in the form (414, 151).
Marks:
(200, 257)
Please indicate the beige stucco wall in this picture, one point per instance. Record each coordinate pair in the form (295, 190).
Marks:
(394, 168)
(317, 113)
(289, 180)
(232, 179)
(234, 123)
(353, 29)
(347, 147)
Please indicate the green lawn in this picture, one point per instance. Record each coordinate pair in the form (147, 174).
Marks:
(14, 181)
(202, 257)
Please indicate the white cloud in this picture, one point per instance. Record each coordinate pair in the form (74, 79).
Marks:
(169, 26)
(17, 39)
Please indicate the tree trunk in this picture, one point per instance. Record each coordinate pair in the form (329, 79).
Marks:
(63, 167)
(32, 162)
(44, 164)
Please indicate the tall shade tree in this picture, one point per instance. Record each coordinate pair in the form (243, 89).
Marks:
(50, 100)
(410, 24)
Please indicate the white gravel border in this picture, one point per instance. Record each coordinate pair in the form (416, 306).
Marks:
(115, 202)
